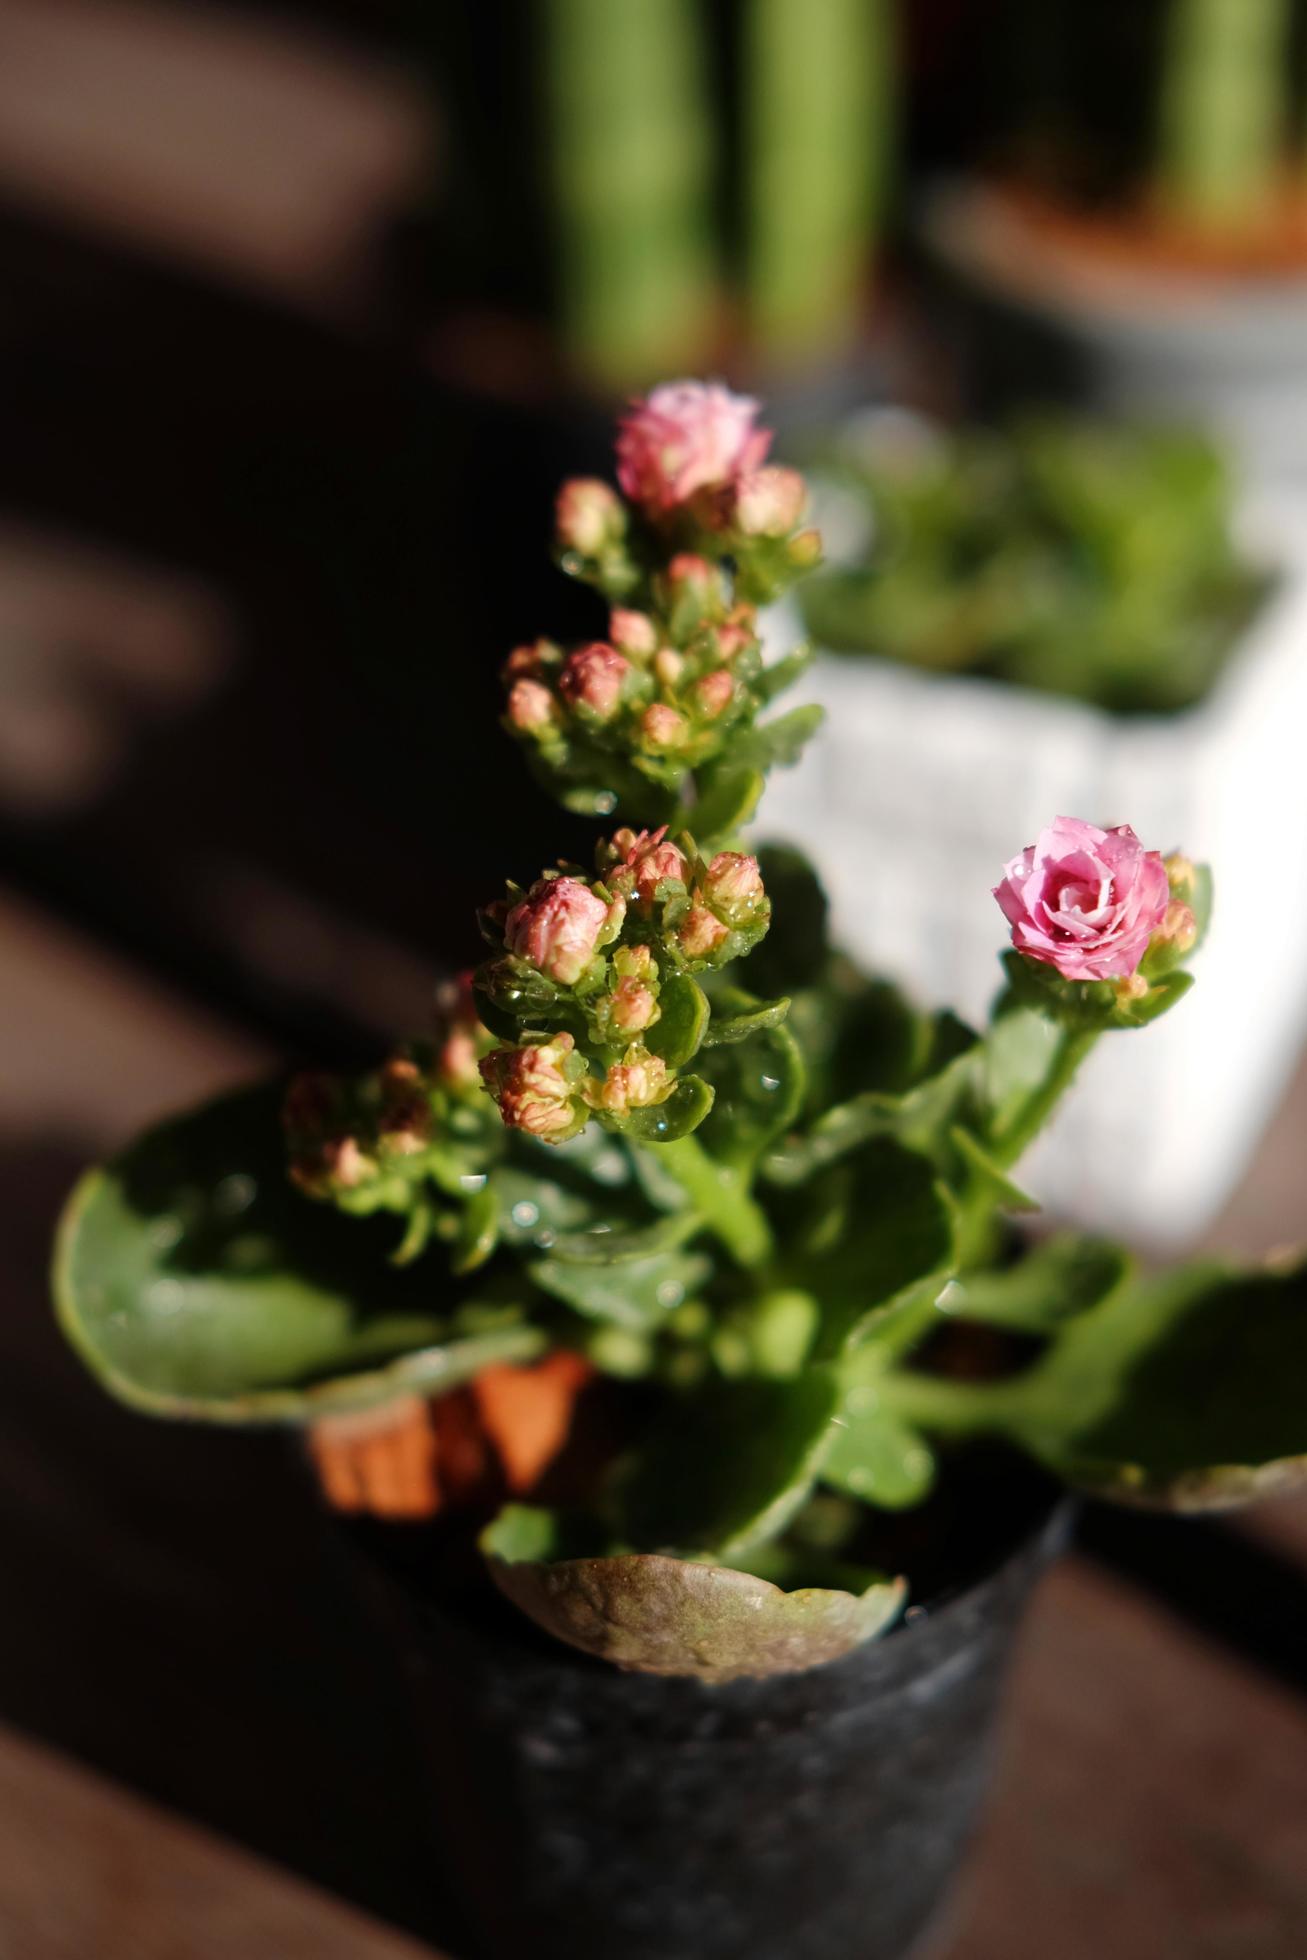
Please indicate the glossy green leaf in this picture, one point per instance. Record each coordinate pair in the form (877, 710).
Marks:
(725, 1469)
(638, 1294)
(917, 1117)
(684, 1110)
(732, 1022)
(682, 1024)
(894, 1253)
(783, 673)
(728, 796)
(662, 1615)
(759, 1086)
(877, 1457)
(195, 1281)
(611, 1244)
(780, 741)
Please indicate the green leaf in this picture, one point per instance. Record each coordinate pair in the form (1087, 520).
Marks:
(878, 1457)
(916, 1117)
(739, 1024)
(726, 1469)
(894, 1254)
(1162, 995)
(759, 1086)
(195, 1281)
(610, 1244)
(682, 1023)
(796, 951)
(984, 1181)
(783, 673)
(1051, 1284)
(1183, 1390)
(779, 742)
(638, 1294)
(672, 1616)
(684, 1110)
(727, 797)
(478, 1232)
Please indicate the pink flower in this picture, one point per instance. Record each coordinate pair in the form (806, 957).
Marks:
(588, 516)
(530, 660)
(531, 706)
(734, 637)
(1085, 900)
(633, 632)
(684, 437)
(593, 677)
(532, 1088)
(557, 927)
(769, 502)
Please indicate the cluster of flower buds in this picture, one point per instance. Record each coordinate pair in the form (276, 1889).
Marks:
(374, 1142)
(710, 531)
(585, 971)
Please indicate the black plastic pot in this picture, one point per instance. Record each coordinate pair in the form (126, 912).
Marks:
(601, 1815)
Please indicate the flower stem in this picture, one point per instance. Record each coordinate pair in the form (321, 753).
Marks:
(720, 1193)
(1073, 1045)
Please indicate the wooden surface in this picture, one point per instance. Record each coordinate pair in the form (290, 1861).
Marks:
(172, 1619)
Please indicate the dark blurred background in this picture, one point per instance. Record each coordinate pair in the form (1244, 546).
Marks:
(304, 310)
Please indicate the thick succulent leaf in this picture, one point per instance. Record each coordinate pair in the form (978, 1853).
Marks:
(638, 1294)
(195, 1281)
(684, 1110)
(612, 1245)
(661, 1615)
(759, 1087)
(780, 741)
(682, 1023)
(783, 673)
(1183, 1390)
(877, 1457)
(796, 952)
(726, 1468)
(984, 1182)
(728, 796)
(1047, 1286)
(891, 1249)
(740, 1016)
(1021, 1050)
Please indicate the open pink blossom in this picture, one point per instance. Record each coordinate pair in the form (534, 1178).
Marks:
(684, 437)
(1085, 900)
(646, 858)
(557, 927)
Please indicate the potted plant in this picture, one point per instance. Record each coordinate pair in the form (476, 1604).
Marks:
(1077, 613)
(710, 1314)
(1137, 234)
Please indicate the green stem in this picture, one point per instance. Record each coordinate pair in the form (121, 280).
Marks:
(720, 1193)
(949, 1408)
(1073, 1044)
(1224, 106)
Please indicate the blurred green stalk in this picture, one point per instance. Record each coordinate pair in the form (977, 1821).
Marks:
(818, 89)
(631, 157)
(1224, 107)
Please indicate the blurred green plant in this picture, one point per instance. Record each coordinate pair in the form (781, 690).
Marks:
(1081, 558)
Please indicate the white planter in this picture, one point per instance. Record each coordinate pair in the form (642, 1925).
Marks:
(920, 787)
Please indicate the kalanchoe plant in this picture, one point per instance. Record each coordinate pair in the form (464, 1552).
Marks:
(672, 1158)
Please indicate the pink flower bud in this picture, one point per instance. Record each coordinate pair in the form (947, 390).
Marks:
(593, 678)
(588, 516)
(733, 883)
(769, 502)
(531, 707)
(684, 437)
(668, 666)
(533, 1088)
(1179, 926)
(634, 1084)
(632, 1008)
(804, 551)
(663, 727)
(457, 1061)
(634, 632)
(558, 927)
(1085, 901)
(1181, 873)
(714, 692)
(345, 1164)
(688, 572)
(646, 859)
(701, 933)
(733, 638)
(530, 660)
